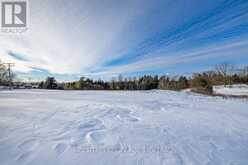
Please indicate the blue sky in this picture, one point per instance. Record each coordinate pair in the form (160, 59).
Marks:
(104, 38)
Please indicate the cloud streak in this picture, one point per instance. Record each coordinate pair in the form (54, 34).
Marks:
(235, 49)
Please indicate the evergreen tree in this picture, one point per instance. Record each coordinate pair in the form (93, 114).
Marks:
(50, 83)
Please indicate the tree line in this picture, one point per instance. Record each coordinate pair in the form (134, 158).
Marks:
(4, 77)
(223, 74)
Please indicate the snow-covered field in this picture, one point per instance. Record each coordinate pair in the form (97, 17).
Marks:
(40, 127)
(235, 90)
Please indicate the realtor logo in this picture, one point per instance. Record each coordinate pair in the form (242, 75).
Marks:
(14, 16)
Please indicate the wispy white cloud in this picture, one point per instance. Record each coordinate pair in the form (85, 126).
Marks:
(83, 37)
(235, 49)
(69, 37)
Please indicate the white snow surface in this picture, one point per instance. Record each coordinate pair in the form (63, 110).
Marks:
(40, 127)
(235, 90)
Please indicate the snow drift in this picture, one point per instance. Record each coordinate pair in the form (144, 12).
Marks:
(40, 127)
(235, 90)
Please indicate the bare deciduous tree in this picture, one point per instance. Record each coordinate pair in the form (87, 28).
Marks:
(245, 71)
(225, 70)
